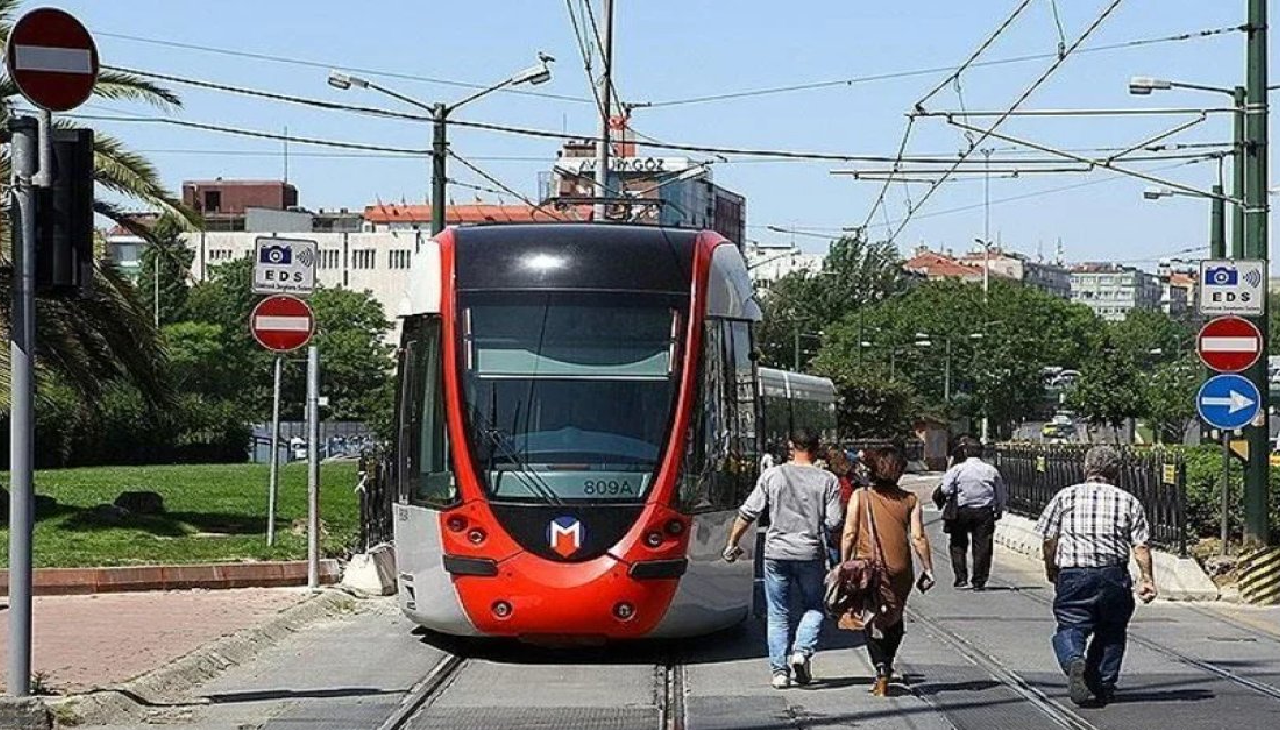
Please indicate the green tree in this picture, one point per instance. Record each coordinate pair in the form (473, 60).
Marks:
(1110, 390)
(90, 342)
(1150, 336)
(167, 253)
(855, 273)
(1169, 395)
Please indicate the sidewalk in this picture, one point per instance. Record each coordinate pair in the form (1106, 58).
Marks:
(84, 642)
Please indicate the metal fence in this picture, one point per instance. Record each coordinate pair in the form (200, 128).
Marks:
(377, 492)
(1157, 477)
(913, 449)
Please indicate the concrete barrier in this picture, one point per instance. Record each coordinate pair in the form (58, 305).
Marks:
(1177, 579)
(372, 573)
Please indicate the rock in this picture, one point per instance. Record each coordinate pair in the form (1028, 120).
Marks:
(108, 514)
(141, 502)
(1219, 565)
(372, 573)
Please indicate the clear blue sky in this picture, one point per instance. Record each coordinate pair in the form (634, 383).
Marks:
(671, 49)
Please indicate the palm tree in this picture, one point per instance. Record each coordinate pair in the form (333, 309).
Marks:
(109, 335)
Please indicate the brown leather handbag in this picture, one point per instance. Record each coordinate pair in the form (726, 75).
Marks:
(855, 584)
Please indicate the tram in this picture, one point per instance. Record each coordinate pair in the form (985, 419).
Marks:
(579, 415)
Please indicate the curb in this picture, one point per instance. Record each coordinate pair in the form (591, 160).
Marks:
(150, 693)
(213, 576)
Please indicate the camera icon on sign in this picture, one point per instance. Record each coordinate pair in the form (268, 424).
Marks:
(1221, 276)
(282, 255)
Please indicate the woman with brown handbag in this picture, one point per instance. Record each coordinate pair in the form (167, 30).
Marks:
(876, 528)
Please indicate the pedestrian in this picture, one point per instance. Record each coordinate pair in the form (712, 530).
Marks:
(980, 496)
(803, 505)
(884, 522)
(838, 464)
(1089, 530)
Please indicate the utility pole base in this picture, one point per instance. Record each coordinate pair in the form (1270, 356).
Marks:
(25, 713)
(1259, 576)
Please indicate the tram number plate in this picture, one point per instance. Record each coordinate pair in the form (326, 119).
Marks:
(608, 488)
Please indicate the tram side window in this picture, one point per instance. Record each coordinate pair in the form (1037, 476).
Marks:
(707, 483)
(427, 474)
(746, 432)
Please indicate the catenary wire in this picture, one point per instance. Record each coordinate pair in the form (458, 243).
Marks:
(322, 65)
(895, 75)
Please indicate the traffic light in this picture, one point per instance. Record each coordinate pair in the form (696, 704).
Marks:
(64, 218)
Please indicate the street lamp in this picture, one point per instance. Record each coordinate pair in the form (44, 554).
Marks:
(539, 73)
(1144, 86)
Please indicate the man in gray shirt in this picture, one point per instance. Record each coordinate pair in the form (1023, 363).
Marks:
(980, 496)
(803, 503)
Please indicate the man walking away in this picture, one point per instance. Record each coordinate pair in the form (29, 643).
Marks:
(803, 504)
(980, 496)
(1089, 530)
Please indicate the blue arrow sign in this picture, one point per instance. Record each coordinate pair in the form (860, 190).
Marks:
(1228, 401)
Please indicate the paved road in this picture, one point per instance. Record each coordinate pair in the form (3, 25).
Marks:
(972, 660)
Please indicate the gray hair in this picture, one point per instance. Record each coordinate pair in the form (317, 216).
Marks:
(1102, 461)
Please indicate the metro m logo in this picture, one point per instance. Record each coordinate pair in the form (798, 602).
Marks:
(564, 534)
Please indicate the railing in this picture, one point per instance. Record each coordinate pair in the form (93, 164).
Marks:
(377, 492)
(1157, 477)
(913, 449)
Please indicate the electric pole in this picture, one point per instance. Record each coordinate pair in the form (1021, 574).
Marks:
(606, 111)
(1256, 209)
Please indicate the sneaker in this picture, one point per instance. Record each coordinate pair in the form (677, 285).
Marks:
(1106, 696)
(979, 587)
(781, 680)
(1077, 686)
(800, 668)
(960, 583)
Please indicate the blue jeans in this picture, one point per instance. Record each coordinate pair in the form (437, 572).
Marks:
(781, 578)
(1097, 603)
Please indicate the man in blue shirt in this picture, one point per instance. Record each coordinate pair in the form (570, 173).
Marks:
(980, 496)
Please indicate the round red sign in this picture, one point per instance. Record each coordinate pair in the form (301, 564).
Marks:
(1229, 344)
(282, 323)
(52, 59)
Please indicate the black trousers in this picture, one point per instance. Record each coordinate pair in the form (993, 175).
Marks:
(980, 523)
(885, 649)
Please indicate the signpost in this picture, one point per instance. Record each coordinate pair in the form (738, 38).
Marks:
(1232, 287)
(1228, 402)
(284, 266)
(1229, 344)
(53, 62)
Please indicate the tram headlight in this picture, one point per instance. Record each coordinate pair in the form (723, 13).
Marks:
(624, 611)
(476, 536)
(501, 609)
(674, 527)
(653, 539)
(456, 524)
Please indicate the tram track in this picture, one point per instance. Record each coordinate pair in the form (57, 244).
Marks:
(671, 695)
(426, 690)
(1267, 690)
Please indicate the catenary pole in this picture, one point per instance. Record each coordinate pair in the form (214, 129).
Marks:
(1257, 471)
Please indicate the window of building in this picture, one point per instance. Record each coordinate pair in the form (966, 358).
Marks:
(330, 258)
(364, 258)
(398, 258)
(213, 201)
(219, 254)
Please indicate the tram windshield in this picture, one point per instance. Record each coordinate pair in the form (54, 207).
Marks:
(569, 394)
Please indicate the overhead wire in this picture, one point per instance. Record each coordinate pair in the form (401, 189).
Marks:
(895, 75)
(329, 65)
(1026, 94)
(495, 181)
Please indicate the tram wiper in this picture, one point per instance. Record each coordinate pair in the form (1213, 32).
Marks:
(528, 477)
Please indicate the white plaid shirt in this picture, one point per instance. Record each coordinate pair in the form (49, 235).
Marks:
(1096, 525)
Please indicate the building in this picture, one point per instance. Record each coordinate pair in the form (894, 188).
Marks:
(767, 264)
(942, 265)
(225, 203)
(668, 191)
(381, 218)
(1051, 278)
(1178, 288)
(1113, 290)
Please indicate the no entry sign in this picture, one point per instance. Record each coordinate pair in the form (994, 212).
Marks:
(52, 59)
(1229, 344)
(282, 323)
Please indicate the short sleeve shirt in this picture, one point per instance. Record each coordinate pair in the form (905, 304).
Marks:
(1096, 525)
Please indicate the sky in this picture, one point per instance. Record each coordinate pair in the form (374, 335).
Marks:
(669, 50)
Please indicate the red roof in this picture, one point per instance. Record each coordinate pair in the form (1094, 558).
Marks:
(475, 213)
(1184, 280)
(937, 266)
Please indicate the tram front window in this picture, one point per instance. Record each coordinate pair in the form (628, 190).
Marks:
(569, 396)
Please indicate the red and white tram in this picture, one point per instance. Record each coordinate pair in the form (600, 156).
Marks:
(579, 416)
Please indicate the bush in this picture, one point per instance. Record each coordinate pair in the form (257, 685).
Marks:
(1204, 493)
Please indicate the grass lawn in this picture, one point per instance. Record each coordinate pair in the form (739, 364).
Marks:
(213, 512)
